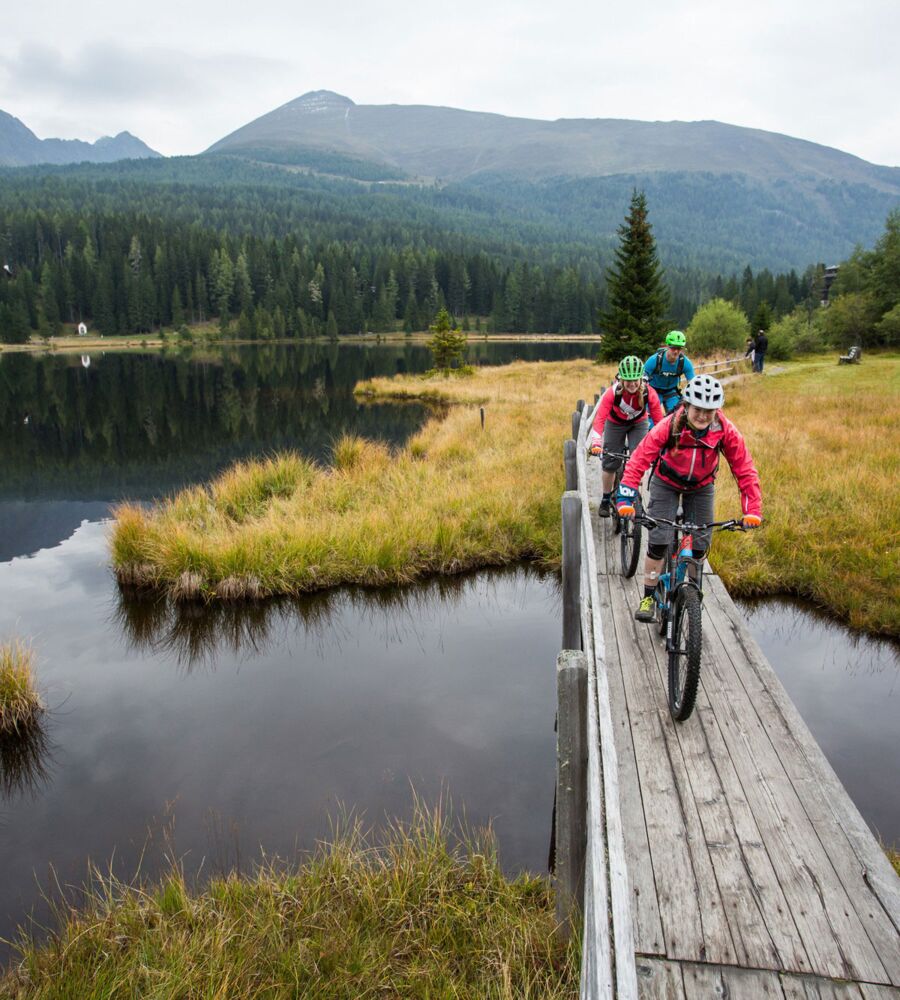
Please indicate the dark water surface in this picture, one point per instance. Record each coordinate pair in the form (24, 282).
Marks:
(219, 733)
(249, 729)
(847, 688)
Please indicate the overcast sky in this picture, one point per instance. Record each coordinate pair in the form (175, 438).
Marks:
(181, 75)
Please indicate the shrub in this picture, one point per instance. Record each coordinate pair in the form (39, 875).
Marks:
(717, 325)
(850, 319)
(796, 333)
(20, 704)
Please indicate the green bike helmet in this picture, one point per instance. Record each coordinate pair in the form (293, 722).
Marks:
(675, 338)
(631, 368)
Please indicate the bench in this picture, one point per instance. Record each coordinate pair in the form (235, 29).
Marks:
(851, 357)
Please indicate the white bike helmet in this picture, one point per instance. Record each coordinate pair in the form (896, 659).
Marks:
(704, 391)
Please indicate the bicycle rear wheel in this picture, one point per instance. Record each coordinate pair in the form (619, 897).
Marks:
(630, 546)
(684, 653)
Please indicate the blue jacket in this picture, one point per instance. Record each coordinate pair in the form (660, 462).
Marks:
(666, 381)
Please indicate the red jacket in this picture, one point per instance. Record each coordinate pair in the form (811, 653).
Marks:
(625, 410)
(695, 461)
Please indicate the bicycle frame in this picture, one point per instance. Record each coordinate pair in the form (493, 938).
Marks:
(685, 571)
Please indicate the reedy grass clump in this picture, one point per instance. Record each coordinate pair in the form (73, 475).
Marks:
(454, 498)
(414, 917)
(20, 704)
(826, 441)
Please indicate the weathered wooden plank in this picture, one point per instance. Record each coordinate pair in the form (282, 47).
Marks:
(571, 785)
(832, 934)
(872, 992)
(864, 871)
(689, 901)
(763, 930)
(705, 982)
(648, 933)
(816, 988)
(597, 982)
(659, 979)
(619, 889)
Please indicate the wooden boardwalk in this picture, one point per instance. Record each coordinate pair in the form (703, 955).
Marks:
(750, 872)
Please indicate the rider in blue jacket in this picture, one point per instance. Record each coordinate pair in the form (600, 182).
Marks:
(665, 368)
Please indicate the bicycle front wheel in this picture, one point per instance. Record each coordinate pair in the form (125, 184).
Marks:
(630, 546)
(684, 653)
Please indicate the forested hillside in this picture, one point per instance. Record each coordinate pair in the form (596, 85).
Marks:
(270, 253)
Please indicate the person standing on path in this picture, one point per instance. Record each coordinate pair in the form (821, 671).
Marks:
(665, 368)
(760, 346)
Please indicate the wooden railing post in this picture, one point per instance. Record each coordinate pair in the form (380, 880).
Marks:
(571, 570)
(571, 464)
(571, 786)
(576, 424)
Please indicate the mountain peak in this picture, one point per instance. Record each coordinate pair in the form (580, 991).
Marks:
(322, 101)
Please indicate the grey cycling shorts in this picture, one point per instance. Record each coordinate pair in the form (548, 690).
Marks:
(698, 506)
(615, 437)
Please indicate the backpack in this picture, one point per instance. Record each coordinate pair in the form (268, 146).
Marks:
(679, 368)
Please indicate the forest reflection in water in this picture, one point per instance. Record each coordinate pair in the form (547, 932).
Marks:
(194, 633)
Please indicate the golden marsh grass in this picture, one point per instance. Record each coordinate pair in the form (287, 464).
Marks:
(20, 704)
(826, 440)
(824, 437)
(417, 914)
(453, 499)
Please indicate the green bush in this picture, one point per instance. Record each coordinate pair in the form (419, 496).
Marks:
(888, 327)
(797, 333)
(717, 325)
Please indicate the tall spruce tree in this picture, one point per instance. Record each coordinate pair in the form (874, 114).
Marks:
(638, 295)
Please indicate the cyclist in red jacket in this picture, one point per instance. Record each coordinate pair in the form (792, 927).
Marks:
(622, 418)
(683, 454)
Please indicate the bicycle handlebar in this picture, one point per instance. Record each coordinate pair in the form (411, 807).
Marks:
(688, 526)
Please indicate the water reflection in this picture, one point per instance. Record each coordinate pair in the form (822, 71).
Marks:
(142, 424)
(847, 687)
(195, 634)
(25, 760)
(805, 627)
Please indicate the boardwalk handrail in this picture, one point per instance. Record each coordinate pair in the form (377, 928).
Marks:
(719, 365)
(608, 967)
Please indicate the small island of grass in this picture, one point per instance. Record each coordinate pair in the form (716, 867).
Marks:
(20, 704)
(458, 497)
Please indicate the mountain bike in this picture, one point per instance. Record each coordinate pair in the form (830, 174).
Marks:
(678, 597)
(627, 528)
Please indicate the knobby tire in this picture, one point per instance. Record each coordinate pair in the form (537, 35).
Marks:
(630, 547)
(684, 653)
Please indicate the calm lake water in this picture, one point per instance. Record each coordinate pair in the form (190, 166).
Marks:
(218, 734)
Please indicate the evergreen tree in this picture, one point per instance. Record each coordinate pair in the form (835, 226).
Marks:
(447, 345)
(638, 296)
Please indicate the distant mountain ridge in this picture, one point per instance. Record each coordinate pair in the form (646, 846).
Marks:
(454, 145)
(20, 147)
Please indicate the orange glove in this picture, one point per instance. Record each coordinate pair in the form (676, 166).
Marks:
(596, 449)
(752, 520)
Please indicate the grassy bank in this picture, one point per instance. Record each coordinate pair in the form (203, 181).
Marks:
(826, 440)
(20, 704)
(413, 918)
(454, 498)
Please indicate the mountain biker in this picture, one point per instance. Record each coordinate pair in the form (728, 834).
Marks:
(622, 418)
(683, 455)
(665, 368)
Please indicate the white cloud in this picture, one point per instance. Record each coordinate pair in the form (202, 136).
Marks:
(816, 70)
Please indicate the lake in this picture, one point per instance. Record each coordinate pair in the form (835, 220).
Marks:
(221, 733)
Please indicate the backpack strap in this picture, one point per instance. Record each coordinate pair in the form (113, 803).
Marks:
(659, 359)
